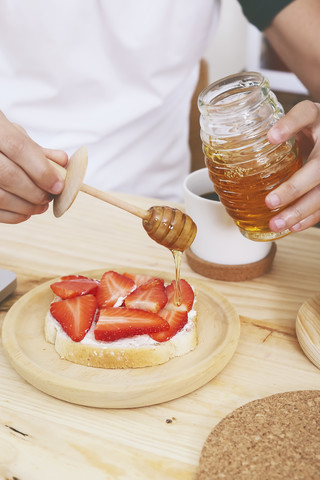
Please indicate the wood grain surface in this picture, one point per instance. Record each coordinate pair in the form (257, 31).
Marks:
(44, 437)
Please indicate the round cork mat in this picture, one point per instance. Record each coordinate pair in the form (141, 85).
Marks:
(277, 437)
(232, 273)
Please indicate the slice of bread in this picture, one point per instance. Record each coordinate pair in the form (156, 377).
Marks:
(138, 351)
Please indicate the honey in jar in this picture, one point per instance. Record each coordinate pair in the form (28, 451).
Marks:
(236, 114)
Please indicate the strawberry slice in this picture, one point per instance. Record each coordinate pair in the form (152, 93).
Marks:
(176, 320)
(73, 286)
(75, 315)
(121, 322)
(112, 286)
(187, 295)
(150, 296)
(139, 278)
(72, 277)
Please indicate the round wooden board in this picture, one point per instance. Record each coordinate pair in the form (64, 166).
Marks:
(38, 362)
(308, 329)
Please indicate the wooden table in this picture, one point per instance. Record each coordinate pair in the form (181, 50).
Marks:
(43, 437)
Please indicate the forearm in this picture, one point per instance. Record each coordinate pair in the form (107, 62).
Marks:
(295, 35)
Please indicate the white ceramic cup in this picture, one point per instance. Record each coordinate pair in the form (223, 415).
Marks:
(218, 239)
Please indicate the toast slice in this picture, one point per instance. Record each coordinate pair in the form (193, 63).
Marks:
(132, 352)
(127, 351)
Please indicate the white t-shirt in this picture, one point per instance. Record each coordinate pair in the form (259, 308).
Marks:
(114, 75)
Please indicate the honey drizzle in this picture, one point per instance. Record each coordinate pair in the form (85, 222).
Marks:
(177, 255)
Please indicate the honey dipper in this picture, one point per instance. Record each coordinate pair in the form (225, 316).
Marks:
(167, 226)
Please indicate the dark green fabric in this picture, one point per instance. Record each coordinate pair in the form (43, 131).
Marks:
(261, 12)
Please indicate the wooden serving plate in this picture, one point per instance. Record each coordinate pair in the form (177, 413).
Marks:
(308, 329)
(38, 362)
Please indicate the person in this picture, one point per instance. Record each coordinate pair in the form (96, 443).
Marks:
(117, 77)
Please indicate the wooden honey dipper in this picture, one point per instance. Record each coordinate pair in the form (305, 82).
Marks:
(167, 226)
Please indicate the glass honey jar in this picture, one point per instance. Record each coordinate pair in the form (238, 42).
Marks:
(236, 113)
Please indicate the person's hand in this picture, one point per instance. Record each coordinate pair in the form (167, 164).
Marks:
(27, 179)
(302, 190)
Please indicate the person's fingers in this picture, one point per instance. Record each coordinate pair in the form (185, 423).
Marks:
(23, 151)
(14, 204)
(303, 116)
(302, 214)
(12, 218)
(306, 222)
(305, 179)
(57, 156)
(304, 144)
(14, 180)
(26, 174)
(301, 192)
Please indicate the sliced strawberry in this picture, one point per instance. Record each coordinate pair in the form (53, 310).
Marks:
(121, 322)
(138, 278)
(176, 320)
(73, 286)
(75, 315)
(72, 277)
(112, 286)
(187, 295)
(150, 296)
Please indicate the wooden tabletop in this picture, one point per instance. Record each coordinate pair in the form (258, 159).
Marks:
(43, 437)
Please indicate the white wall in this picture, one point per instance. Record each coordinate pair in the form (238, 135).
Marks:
(227, 52)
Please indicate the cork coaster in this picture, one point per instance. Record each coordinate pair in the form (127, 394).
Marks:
(277, 437)
(232, 273)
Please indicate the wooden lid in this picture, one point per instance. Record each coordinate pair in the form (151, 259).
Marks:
(231, 273)
(271, 438)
